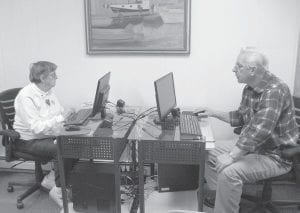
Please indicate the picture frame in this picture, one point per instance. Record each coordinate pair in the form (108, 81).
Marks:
(137, 26)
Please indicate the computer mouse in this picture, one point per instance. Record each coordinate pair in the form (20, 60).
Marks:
(72, 128)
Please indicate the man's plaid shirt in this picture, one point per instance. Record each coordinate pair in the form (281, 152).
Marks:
(266, 115)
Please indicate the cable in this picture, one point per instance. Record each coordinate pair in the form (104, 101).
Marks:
(127, 116)
(109, 102)
(146, 112)
(153, 136)
(152, 124)
(119, 128)
(115, 122)
(130, 113)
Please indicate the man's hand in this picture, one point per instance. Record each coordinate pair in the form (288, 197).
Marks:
(223, 161)
(207, 112)
(203, 111)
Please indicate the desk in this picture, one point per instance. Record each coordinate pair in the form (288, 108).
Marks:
(154, 146)
(107, 148)
(165, 146)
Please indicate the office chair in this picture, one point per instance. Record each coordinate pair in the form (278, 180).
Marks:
(9, 136)
(265, 202)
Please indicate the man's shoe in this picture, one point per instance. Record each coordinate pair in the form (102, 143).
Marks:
(56, 195)
(209, 202)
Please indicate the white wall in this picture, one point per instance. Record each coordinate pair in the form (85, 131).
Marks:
(297, 74)
(32, 30)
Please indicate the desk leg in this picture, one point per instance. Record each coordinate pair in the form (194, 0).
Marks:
(62, 180)
(200, 193)
(141, 178)
(117, 187)
(133, 154)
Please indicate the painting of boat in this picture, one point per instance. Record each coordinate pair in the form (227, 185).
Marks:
(140, 26)
(122, 20)
(137, 6)
(115, 37)
(134, 13)
(172, 16)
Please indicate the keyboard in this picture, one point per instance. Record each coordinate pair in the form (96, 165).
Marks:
(189, 124)
(79, 117)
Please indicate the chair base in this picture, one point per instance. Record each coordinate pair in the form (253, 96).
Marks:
(34, 186)
(261, 206)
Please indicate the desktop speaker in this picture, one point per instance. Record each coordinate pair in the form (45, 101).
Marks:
(175, 177)
(93, 188)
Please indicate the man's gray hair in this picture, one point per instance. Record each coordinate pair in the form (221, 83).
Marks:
(40, 68)
(253, 56)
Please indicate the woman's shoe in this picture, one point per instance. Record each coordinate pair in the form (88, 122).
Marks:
(56, 195)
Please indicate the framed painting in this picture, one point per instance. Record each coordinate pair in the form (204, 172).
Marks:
(138, 26)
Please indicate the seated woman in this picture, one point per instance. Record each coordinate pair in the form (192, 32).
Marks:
(39, 117)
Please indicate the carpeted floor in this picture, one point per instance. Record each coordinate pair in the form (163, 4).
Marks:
(40, 202)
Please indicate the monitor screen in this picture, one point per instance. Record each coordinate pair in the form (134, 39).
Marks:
(103, 97)
(102, 83)
(165, 95)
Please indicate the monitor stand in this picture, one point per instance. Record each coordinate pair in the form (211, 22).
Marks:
(169, 123)
(96, 117)
(103, 113)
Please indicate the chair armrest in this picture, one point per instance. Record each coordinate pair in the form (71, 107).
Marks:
(10, 133)
(7, 141)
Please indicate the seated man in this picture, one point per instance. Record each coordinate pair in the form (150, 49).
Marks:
(267, 121)
(39, 117)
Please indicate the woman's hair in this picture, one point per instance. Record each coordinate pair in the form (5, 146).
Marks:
(40, 68)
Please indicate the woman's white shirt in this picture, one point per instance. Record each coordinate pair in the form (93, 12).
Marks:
(38, 113)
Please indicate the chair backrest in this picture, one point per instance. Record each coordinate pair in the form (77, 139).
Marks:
(7, 115)
(7, 109)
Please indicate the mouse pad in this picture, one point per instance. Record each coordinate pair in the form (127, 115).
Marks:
(82, 131)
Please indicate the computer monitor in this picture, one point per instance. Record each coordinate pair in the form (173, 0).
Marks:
(165, 95)
(102, 84)
(103, 97)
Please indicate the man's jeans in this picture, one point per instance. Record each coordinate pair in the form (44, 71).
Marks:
(229, 182)
(45, 148)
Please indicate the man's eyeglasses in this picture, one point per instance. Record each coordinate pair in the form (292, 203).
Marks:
(239, 66)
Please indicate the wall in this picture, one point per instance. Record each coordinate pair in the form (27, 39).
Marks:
(297, 74)
(54, 30)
